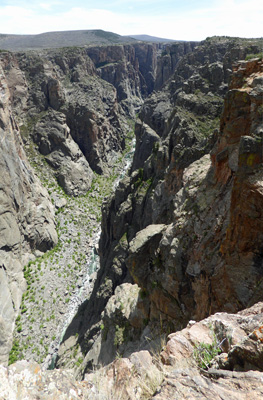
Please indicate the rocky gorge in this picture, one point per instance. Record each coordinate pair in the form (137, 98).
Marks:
(180, 235)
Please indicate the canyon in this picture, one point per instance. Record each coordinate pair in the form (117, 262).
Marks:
(157, 267)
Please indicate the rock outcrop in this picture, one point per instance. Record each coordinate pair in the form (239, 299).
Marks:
(65, 84)
(26, 217)
(167, 63)
(84, 95)
(70, 107)
(183, 271)
(217, 358)
(130, 69)
(52, 135)
(181, 236)
(236, 338)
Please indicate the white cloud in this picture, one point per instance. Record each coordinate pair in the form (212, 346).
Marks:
(225, 17)
(14, 12)
(45, 6)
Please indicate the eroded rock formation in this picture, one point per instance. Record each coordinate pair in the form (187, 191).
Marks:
(182, 269)
(181, 236)
(72, 109)
(236, 372)
(26, 218)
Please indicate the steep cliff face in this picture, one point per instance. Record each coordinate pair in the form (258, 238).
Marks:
(80, 95)
(238, 157)
(135, 71)
(71, 111)
(130, 69)
(26, 216)
(165, 227)
(205, 260)
(167, 63)
(172, 188)
(85, 109)
(181, 237)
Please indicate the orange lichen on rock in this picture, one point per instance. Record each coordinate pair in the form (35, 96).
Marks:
(257, 334)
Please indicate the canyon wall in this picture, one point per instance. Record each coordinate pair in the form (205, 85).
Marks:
(66, 111)
(166, 227)
(181, 236)
(27, 223)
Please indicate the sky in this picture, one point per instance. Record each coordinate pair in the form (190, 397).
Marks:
(171, 19)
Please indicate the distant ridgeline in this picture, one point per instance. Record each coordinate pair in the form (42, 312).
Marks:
(80, 38)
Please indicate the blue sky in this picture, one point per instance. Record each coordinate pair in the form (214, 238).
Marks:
(182, 20)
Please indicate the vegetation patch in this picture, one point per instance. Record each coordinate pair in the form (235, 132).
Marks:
(106, 35)
(251, 56)
(204, 353)
(53, 278)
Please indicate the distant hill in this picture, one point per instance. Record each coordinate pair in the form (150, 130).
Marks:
(148, 38)
(61, 39)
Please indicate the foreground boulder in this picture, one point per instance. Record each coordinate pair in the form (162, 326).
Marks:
(235, 373)
(179, 372)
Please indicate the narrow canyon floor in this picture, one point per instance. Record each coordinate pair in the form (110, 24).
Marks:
(59, 280)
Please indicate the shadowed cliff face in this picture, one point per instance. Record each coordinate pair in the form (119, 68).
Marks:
(209, 258)
(167, 63)
(165, 227)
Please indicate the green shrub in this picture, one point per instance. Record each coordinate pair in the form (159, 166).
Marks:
(258, 55)
(14, 353)
(119, 337)
(204, 353)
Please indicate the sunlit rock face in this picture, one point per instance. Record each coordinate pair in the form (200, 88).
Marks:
(209, 204)
(26, 215)
(234, 370)
(183, 271)
(68, 107)
(209, 256)
(181, 236)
